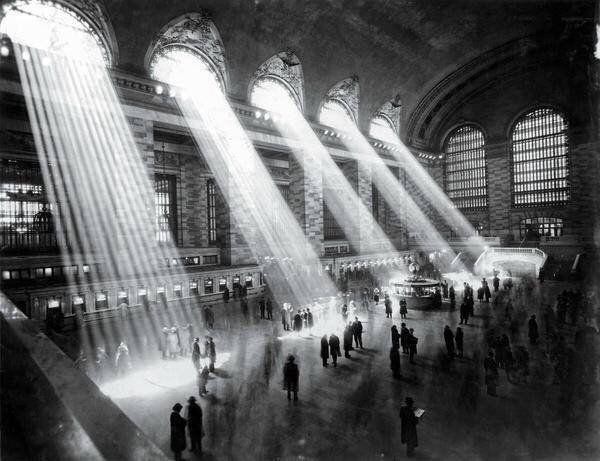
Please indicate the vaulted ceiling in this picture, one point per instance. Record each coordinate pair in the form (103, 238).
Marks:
(394, 46)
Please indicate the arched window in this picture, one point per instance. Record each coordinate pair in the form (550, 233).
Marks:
(184, 68)
(382, 128)
(465, 167)
(335, 113)
(49, 26)
(539, 148)
(273, 94)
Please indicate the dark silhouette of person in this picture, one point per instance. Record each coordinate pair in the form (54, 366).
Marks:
(298, 322)
(395, 362)
(211, 353)
(196, 354)
(357, 329)
(403, 308)
(458, 338)
(348, 340)
(291, 376)
(491, 374)
(449, 339)
(388, 307)
(324, 350)
(395, 337)
(262, 307)
(412, 345)
(408, 427)
(452, 296)
(533, 330)
(404, 334)
(178, 441)
(269, 309)
(334, 348)
(464, 313)
(194, 423)
(226, 295)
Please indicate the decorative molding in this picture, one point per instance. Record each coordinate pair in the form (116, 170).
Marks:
(346, 91)
(287, 67)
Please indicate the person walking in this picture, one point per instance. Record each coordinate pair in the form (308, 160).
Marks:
(357, 329)
(395, 337)
(412, 345)
(334, 348)
(194, 424)
(324, 350)
(404, 334)
(458, 339)
(178, 442)
(211, 352)
(534, 333)
(291, 376)
(449, 339)
(395, 362)
(408, 426)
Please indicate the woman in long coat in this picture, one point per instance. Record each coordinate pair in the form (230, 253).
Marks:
(173, 343)
(324, 350)
(178, 441)
(395, 337)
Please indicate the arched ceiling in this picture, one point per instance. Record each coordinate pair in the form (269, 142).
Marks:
(394, 46)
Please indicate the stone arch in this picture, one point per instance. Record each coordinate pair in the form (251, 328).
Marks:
(286, 67)
(392, 111)
(197, 32)
(347, 92)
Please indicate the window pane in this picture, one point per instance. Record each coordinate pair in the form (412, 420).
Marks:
(166, 207)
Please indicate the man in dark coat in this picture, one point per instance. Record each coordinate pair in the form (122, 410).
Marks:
(210, 318)
(452, 296)
(244, 306)
(404, 334)
(395, 361)
(496, 283)
(324, 350)
(388, 307)
(226, 295)
(178, 441)
(269, 309)
(533, 330)
(194, 423)
(412, 345)
(403, 308)
(211, 353)
(196, 354)
(298, 322)
(348, 340)
(449, 339)
(357, 330)
(291, 375)
(334, 348)
(261, 307)
(408, 428)
(458, 338)
(395, 337)
(464, 313)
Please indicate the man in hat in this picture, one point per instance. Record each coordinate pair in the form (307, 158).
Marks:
(291, 375)
(194, 422)
(177, 431)
(196, 354)
(211, 353)
(408, 428)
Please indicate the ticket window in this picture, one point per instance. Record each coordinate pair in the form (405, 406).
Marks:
(248, 281)
(101, 300)
(143, 296)
(208, 286)
(177, 293)
(161, 295)
(122, 296)
(78, 303)
(194, 288)
(53, 306)
(222, 285)
(236, 282)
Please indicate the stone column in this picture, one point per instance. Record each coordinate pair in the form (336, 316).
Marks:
(499, 192)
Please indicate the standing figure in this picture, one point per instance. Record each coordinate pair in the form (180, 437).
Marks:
(376, 296)
(291, 376)
(449, 339)
(261, 308)
(408, 428)
(184, 337)
(284, 321)
(334, 348)
(403, 308)
(244, 306)
(533, 330)
(395, 337)
(452, 296)
(357, 330)
(310, 321)
(194, 423)
(211, 353)
(122, 359)
(324, 350)
(196, 355)
(345, 314)
(348, 340)
(491, 374)
(178, 441)
(412, 345)
(404, 334)
(269, 309)
(298, 322)
(458, 338)
(226, 295)
(173, 343)
(395, 362)
(464, 313)
(388, 307)
(164, 343)
(210, 318)
(202, 380)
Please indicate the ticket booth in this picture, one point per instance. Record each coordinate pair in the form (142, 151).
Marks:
(101, 300)
(194, 288)
(177, 293)
(53, 312)
(208, 286)
(248, 281)
(78, 303)
(143, 297)
(222, 284)
(161, 295)
(236, 283)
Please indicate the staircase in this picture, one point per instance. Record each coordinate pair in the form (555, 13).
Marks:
(516, 260)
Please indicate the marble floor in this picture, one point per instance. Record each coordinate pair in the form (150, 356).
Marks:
(349, 412)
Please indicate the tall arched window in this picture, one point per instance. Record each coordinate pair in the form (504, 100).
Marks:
(273, 94)
(335, 113)
(382, 128)
(49, 26)
(465, 167)
(539, 148)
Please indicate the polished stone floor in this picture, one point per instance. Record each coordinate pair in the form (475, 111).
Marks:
(348, 412)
